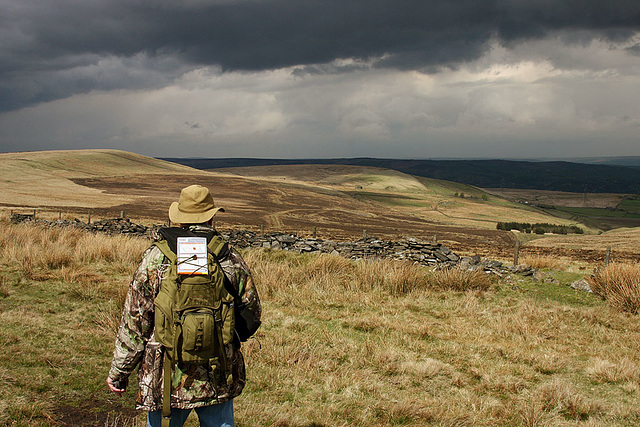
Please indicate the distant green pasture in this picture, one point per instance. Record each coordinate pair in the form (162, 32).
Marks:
(594, 212)
(389, 199)
(631, 206)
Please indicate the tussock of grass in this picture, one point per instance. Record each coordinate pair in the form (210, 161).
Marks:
(619, 284)
(604, 371)
(544, 262)
(562, 397)
(460, 280)
(60, 304)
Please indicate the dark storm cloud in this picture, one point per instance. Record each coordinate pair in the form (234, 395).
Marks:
(634, 50)
(53, 49)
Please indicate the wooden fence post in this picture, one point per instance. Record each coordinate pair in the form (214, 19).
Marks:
(516, 253)
(607, 257)
(315, 232)
(364, 234)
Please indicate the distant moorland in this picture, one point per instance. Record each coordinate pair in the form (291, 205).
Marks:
(340, 202)
(539, 175)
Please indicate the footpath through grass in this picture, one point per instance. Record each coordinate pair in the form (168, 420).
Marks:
(343, 343)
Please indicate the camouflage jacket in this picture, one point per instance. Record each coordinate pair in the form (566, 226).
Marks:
(193, 386)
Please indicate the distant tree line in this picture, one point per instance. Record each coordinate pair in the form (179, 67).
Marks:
(540, 228)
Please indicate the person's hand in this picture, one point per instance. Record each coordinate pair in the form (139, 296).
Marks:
(114, 387)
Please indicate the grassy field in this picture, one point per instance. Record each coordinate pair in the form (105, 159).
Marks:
(343, 343)
(599, 211)
(631, 206)
(623, 240)
(60, 291)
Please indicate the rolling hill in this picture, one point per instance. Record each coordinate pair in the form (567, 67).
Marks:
(338, 201)
(542, 175)
(46, 178)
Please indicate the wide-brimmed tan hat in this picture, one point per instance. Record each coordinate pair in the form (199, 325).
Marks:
(194, 206)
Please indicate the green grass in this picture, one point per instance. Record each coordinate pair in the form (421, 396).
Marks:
(389, 199)
(556, 292)
(594, 212)
(627, 208)
(58, 327)
(55, 351)
(631, 207)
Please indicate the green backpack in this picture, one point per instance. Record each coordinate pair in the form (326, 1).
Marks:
(194, 314)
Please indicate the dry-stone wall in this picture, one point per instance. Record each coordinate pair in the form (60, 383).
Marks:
(426, 253)
(108, 226)
(411, 249)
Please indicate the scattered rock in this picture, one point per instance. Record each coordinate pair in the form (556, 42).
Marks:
(581, 285)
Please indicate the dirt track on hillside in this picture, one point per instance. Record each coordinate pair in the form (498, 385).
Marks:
(252, 204)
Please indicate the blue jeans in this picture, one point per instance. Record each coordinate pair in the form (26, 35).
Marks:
(220, 415)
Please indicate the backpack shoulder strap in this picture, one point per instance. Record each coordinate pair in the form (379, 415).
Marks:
(163, 245)
(218, 247)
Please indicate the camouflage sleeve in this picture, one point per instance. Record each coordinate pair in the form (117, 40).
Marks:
(240, 276)
(136, 324)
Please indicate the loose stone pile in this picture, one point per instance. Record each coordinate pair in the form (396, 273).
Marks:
(428, 253)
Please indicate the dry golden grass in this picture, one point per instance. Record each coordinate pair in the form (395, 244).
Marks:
(489, 360)
(619, 284)
(43, 250)
(364, 343)
(544, 262)
(81, 261)
(60, 303)
(622, 239)
(331, 274)
(603, 371)
(460, 280)
(562, 397)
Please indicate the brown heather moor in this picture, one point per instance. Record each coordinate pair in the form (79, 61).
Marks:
(344, 343)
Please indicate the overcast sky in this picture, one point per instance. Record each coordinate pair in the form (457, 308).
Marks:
(330, 78)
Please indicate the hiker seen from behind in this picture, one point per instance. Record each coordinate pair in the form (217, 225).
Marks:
(191, 303)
